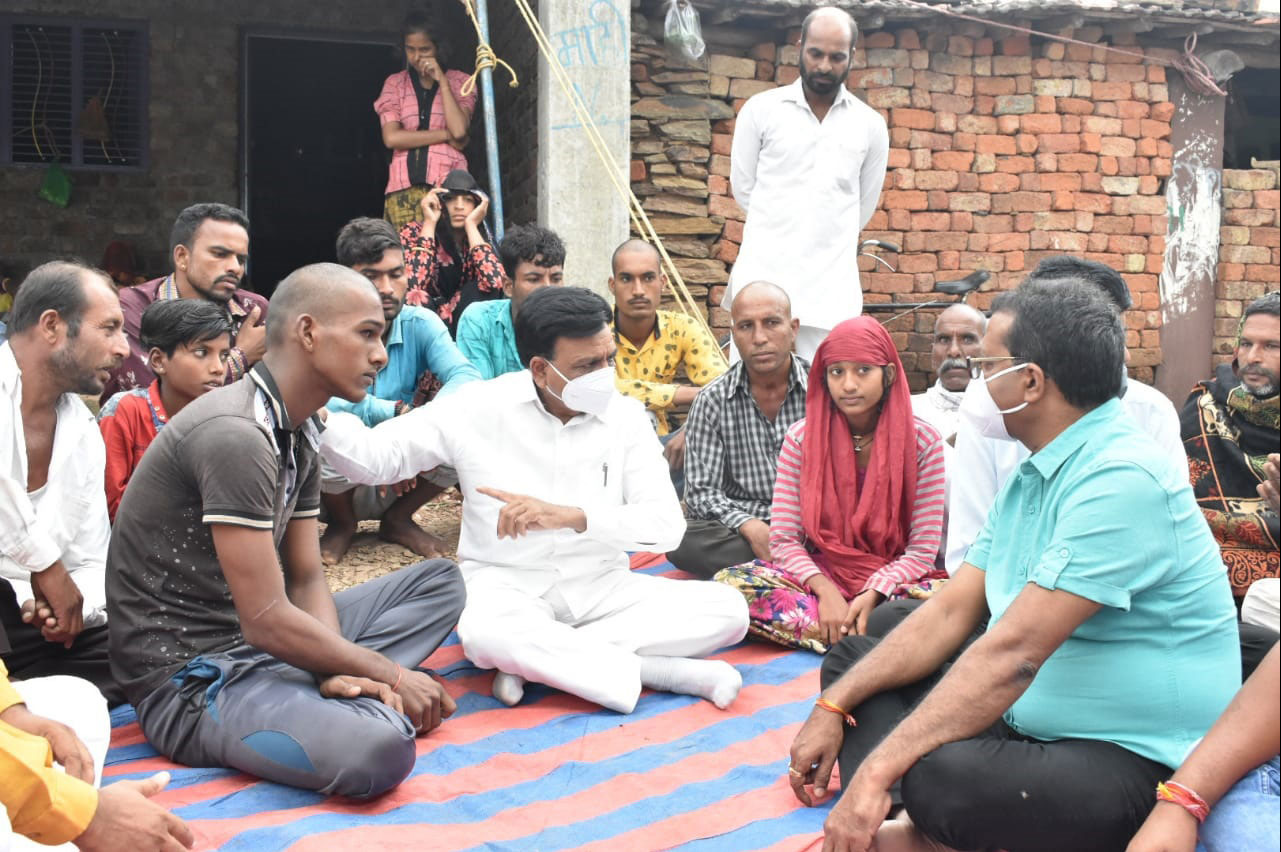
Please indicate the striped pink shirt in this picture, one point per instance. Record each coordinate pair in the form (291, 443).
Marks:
(399, 103)
(787, 535)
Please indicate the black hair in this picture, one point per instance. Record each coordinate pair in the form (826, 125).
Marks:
(555, 312)
(54, 286)
(1071, 331)
(362, 241)
(805, 25)
(190, 220)
(1069, 267)
(430, 24)
(170, 322)
(1268, 303)
(526, 243)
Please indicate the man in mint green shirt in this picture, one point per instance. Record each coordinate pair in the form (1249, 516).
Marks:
(1110, 645)
(533, 257)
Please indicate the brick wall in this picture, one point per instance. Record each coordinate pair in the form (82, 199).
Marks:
(1003, 151)
(1248, 250)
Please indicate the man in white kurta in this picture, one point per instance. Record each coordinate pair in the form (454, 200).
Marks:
(807, 166)
(553, 497)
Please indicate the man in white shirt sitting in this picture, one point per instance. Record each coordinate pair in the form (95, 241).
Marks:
(982, 464)
(561, 475)
(957, 333)
(66, 334)
(807, 162)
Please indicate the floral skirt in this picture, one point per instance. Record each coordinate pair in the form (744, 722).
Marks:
(402, 206)
(785, 612)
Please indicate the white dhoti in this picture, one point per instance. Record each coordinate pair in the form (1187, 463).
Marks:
(585, 635)
(1262, 604)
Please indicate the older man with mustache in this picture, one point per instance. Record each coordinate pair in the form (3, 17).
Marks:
(210, 247)
(957, 333)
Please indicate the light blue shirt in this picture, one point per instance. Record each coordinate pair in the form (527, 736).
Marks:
(1101, 513)
(488, 339)
(418, 341)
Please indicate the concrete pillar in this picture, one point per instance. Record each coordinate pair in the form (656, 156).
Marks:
(1194, 204)
(576, 197)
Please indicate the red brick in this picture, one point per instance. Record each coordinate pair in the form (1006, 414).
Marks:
(992, 144)
(917, 119)
(1059, 241)
(718, 185)
(994, 224)
(1008, 242)
(904, 200)
(719, 205)
(1015, 46)
(918, 263)
(900, 137)
(1266, 273)
(937, 199)
(932, 179)
(951, 103)
(899, 158)
(1041, 123)
(963, 85)
(1114, 224)
(999, 182)
(1109, 166)
(1122, 244)
(963, 141)
(1101, 124)
(734, 230)
(899, 220)
(1078, 163)
(1007, 125)
(1163, 111)
(1091, 143)
(978, 124)
(638, 170)
(970, 202)
(1126, 73)
(962, 221)
(1075, 106)
(909, 40)
(1062, 200)
(1060, 143)
(786, 74)
(930, 141)
(866, 78)
(1154, 129)
(1026, 143)
(1132, 109)
(1093, 202)
(722, 143)
(1156, 74)
(1268, 199)
(994, 86)
(1015, 165)
(1118, 146)
(726, 251)
(883, 38)
(1029, 201)
(1059, 182)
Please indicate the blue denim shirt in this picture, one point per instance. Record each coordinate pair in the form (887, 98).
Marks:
(488, 339)
(418, 341)
(1101, 513)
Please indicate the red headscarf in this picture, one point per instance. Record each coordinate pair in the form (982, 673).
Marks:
(857, 534)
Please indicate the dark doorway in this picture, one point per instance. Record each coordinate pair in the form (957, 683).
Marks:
(313, 153)
(1252, 125)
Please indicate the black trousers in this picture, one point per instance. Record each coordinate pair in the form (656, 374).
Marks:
(709, 546)
(29, 655)
(1002, 790)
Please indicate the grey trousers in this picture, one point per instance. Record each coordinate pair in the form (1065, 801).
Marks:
(709, 546)
(246, 710)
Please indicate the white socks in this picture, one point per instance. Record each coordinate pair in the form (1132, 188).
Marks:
(509, 688)
(715, 680)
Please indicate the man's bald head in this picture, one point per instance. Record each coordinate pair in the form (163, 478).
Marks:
(827, 16)
(634, 245)
(758, 293)
(763, 329)
(324, 291)
(963, 313)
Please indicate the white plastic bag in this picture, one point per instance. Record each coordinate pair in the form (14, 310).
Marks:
(681, 30)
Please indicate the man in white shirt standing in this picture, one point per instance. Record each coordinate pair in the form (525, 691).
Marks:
(807, 166)
(66, 334)
(982, 464)
(561, 475)
(957, 333)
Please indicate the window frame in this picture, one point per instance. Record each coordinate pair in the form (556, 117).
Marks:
(77, 24)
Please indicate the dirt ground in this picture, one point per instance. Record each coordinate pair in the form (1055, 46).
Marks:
(372, 557)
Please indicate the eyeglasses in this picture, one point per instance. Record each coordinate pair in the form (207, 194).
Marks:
(975, 365)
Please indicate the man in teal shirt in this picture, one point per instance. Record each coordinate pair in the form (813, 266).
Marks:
(1111, 643)
(417, 341)
(533, 257)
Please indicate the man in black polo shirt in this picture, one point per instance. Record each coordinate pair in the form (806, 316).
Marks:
(224, 634)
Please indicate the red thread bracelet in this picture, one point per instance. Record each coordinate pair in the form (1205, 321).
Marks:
(832, 708)
(1185, 797)
(400, 674)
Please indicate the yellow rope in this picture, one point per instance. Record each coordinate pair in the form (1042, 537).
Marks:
(639, 217)
(485, 56)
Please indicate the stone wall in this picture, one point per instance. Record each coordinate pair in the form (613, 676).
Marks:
(1003, 151)
(1248, 252)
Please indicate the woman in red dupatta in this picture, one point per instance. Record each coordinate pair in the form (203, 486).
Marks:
(858, 503)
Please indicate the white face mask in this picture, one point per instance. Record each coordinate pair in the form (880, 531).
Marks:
(980, 410)
(590, 393)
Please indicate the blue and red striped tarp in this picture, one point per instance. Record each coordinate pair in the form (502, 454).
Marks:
(553, 773)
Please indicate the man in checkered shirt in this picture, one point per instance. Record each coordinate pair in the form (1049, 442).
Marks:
(734, 433)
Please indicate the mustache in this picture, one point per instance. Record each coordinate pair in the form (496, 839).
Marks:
(953, 364)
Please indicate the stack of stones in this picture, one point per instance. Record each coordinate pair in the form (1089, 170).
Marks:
(1249, 257)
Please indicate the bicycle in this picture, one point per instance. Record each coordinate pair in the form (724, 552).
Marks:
(961, 288)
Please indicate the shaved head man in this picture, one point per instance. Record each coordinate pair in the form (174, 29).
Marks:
(957, 333)
(735, 431)
(214, 574)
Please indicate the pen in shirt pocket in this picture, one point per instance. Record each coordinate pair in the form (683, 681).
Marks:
(604, 472)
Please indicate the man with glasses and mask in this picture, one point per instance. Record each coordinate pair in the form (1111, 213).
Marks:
(808, 161)
(1110, 643)
(561, 475)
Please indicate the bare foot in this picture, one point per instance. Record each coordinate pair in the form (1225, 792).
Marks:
(409, 535)
(335, 542)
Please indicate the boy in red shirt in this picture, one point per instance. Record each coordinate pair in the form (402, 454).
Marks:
(187, 343)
